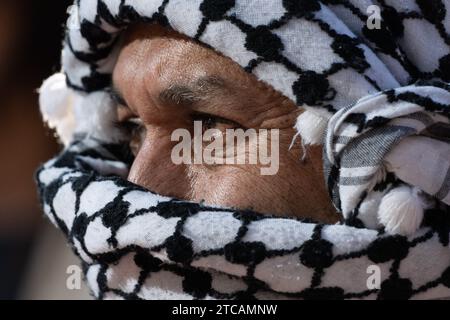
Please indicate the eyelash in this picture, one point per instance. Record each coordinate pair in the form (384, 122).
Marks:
(210, 121)
(133, 129)
(128, 127)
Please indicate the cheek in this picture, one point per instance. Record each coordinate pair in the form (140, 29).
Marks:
(154, 169)
(236, 186)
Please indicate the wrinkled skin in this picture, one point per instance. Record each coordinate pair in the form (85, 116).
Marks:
(165, 81)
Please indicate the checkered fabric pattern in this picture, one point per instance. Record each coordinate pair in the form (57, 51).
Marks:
(281, 42)
(139, 245)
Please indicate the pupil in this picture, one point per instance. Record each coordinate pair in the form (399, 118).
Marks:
(209, 123)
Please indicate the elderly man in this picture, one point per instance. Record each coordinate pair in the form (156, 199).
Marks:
(145, 73)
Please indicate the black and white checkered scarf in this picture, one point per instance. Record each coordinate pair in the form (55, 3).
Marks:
(376, 98)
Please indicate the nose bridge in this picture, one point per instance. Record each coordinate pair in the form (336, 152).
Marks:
(153, 167)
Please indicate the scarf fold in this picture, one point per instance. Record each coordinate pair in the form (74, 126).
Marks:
(139, 245)
(397, 137)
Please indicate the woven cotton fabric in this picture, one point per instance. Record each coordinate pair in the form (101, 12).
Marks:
(138, 245)
(322, 55)
(319, 54)
(362, 138)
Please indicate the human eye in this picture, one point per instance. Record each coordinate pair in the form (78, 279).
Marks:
(135, 131)
(209, 121)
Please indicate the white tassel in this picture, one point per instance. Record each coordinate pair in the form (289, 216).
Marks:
(56, 105)
(70, 112)
(311, 128)
(96, 115)
(401, 210)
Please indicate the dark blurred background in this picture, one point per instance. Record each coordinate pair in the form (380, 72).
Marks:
(33, 257)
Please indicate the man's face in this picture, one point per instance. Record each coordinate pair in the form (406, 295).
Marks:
(166, 82)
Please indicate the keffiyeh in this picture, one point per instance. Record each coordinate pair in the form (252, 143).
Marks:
(382, 142)
(356, 83)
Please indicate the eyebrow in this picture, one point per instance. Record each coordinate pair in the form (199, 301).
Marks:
(188, 94)
(181, 94)
(117, 97)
